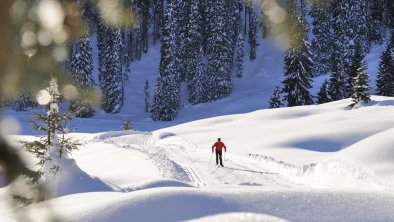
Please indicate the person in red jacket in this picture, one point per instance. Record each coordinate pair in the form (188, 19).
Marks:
(219, 145)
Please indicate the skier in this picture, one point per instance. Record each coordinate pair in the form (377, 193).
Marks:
(219, 145)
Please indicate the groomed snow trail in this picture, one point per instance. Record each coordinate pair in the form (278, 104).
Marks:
(179, 159)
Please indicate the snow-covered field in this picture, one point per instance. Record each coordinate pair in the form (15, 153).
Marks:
(312, 163)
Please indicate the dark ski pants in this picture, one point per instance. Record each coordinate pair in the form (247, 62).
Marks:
(219, 156)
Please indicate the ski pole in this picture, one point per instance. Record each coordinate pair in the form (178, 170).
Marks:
(210, 159)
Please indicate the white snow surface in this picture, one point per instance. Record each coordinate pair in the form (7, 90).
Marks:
(313, 163)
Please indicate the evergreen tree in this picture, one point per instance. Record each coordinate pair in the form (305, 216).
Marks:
(81, 66)
(298, 64)
(147, 96)
(127, 124)
(275, 101)
(344, 34)
(252, 31)
(361, 87)
(194, 41)
(353, 70)
(157, 19)
(49, 149)
(166, 101)
(322, 96)
(101, 46)
(112, 83)
(239, 59)
(390, 13)
(391, 43)
(265, 24)
(385, 79)
(336, 88)
(322, 43)
(197, 84)
(376, 21)
(221, 17)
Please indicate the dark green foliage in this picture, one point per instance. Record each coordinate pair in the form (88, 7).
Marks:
(336, 88)
(112, 81)
(252, 31)
(361, 87)
(197, 84)
(147, 96)
(322, 96)
(321, 47)
(239, 59)
(298, 64)
(385, 80)
(221, 18)
(166, 101)
(275, 101)
(54, 125)
(353, 70)
(81, 67)
(127, 124)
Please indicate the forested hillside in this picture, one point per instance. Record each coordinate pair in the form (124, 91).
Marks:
(206, 46)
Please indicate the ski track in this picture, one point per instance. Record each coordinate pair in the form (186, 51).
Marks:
(178, 158)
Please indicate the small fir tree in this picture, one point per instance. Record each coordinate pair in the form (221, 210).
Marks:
(322, 96)
(49, 149)
(275, 101)
(361, 87)
(353, 70)
(127, 124)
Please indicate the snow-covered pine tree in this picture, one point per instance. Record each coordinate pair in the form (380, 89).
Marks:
(385, 78)
(23, 101)
(321, 47)
(81, 67)
(221, 39)
(239, 58)
(101, 46)
(376, 21)
(298, 63)
(194, 41)
(265, 23)
(198, 82)
(361, 87)
(344, 33)
(157, 6)
(361, 21)
(166, 100)
(322, 95)
(147, 96)
(336, 87)
(390, 13)
(391, 43)
(353, 70)
(275, 101)
(49, 149)
(252, 31)
(112, 82)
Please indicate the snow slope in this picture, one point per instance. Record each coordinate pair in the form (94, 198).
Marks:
(312, 163)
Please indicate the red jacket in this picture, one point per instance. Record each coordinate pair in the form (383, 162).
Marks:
(219, 146)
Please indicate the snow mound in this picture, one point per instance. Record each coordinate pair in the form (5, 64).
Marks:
(236, 217)
(375, 153)
(161, 183)
(70, 179)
